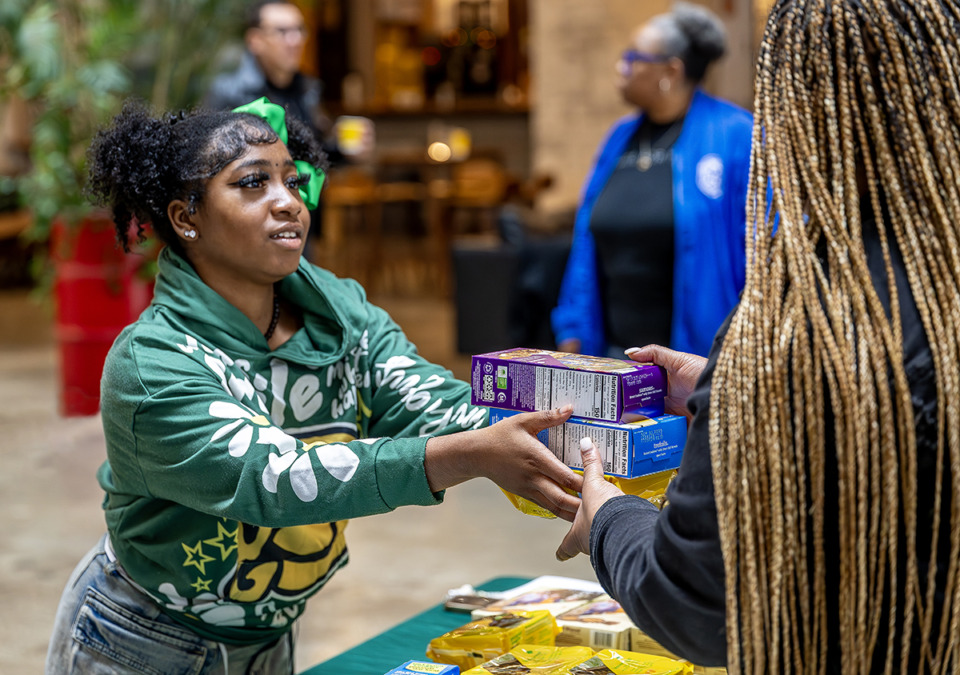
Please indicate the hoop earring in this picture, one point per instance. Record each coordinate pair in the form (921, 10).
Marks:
(664, 85)
(190, 234)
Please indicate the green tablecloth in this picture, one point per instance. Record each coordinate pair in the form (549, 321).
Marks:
(404, 642)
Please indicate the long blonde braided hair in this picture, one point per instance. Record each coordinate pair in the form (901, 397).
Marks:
(855, 99)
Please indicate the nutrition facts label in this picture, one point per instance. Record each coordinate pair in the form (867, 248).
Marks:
(592, 394)
(613, 445)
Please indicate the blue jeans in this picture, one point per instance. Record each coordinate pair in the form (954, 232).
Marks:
(105, 624)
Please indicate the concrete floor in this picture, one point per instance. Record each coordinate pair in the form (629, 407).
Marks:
(401, 563)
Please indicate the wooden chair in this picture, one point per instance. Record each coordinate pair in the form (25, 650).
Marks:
(358, 243)
(404, 267)
(478, 188)
(468, 203)
(351, 245)
(14, 223)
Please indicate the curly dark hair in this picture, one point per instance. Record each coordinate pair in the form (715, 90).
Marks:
(140, 163)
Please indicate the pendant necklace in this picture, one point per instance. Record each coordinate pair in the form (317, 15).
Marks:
(644, 160)
(647, 152)
(276, 317)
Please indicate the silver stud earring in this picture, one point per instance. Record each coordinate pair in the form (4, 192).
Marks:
(664, 85)
(190, 234)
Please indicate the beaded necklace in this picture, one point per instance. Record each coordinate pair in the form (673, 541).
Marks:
(276, 317)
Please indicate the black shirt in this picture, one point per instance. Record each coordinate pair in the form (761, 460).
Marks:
(632, 227)
(666, 568)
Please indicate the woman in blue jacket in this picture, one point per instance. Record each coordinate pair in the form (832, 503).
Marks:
(658, 246)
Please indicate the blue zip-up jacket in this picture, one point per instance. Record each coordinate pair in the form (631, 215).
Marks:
(711, 167)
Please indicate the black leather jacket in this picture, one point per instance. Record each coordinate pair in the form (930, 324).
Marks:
(301, 98)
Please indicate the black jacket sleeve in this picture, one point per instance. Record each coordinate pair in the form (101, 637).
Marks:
(665, 567)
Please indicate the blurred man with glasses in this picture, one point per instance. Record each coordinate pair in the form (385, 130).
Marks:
(275, 37)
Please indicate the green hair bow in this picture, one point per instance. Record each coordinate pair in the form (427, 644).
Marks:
(276, 117)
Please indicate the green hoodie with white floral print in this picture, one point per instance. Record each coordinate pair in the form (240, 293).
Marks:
(232, 468)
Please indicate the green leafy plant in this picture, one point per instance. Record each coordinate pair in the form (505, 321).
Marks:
(76, 61)
(65, 60)
(178, 46)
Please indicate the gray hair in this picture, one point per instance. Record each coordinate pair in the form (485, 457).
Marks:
(693, 34)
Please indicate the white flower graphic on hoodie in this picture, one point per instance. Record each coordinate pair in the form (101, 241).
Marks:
(336, 458)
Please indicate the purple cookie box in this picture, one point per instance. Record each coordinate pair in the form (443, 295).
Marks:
(612, 390)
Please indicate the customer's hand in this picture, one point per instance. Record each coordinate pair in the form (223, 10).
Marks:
(596, 492)
(683, 371)
(509, 454)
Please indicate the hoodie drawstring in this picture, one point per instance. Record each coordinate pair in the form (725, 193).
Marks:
(226, 660)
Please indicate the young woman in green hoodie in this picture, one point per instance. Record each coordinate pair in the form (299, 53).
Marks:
(255, 406)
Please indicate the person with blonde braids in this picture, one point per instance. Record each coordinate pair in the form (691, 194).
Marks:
(814, 525)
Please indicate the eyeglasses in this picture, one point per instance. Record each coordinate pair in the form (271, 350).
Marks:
(631, 56)
(286, 32)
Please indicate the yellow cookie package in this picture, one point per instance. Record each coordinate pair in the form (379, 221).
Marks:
(652, 488)
(579, 661)
(618, 662)
(477, 641)
(534, 660)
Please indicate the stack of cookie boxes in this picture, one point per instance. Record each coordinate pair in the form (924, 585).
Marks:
(617, 403)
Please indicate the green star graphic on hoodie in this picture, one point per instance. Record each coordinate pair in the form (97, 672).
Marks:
(231, 469)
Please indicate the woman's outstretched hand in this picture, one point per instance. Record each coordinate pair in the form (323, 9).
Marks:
(683, 371)
(509, 454)
(596, 492)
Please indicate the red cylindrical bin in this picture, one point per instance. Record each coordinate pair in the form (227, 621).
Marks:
(98, 292)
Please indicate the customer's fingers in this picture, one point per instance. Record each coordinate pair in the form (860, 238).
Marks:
(568, 547)
(662, 356)
(577, 540)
